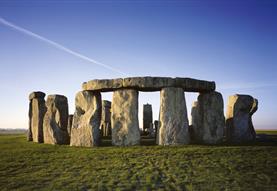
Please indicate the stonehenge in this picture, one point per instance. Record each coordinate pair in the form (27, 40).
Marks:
(208, 121)
(50, 122)
(239, 126)
(37, 110)
(86, 120)
(124, 120)
(55, 120)
(106, 129)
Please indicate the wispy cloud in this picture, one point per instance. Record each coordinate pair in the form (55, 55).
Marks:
(58, 46)
(246, 85)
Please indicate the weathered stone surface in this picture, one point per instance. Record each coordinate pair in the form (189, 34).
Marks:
(69, 124)
(106, 129)
(147, 116)
(36, 95)
(86, 120)
(55, 120)
(29, 131)
(239, 124)
(208, 120)
(148, 83)
(125, 125)
(173, 117)
(194, 85)
(104, 85)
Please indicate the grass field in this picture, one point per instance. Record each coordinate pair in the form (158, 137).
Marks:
(30, 166)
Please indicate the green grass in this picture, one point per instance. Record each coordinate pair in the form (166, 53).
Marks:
(268, 132)
(30, 166)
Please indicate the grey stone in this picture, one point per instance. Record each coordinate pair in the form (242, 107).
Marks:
(29, 131)
(208, 120)
(86, 120)
(69, 124)
(147, 116)
(37, 94)
(106, 129)
(55, 120)
(239, 124)
(194, 85)
(148, 83)
(173, 117)
(104, 84)
(124, 120)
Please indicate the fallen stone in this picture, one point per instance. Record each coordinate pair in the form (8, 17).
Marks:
(208, 120)
(239, 124)
(85, 130)
(124, 120)
(55, 120)
(173, 117)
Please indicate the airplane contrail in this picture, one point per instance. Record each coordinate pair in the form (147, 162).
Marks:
(57, 45)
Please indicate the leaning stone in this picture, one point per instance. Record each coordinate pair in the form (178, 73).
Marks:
(194, 85)
(85, 130)
(173, 117)
(55, 120)
(148, 83)
(125, 125)
(36, 95)
(208, 120)
(104, 85)
(239, 118)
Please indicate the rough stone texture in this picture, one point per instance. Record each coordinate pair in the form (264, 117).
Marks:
(55, 120)
(37, 111)
(149, 84)
(86, 120)
(125, 124)
(106, 129)
(69, 124)
(36, 95)
(173, 117)
(104, 85)
(194, 85)
(239, 126)
(147, 116)
(208, 120)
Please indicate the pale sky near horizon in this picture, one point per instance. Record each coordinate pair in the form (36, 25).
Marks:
(233, 43)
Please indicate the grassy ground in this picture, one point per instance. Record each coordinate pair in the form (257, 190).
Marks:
(30, 166)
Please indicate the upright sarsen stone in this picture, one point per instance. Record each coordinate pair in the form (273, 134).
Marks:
(69, 124)
(174, 125)
(125, 124)
(239, 126)
(37, 111)
(86, 120)
(208, 120)
(106, 129)
(147, 116)
(55, 120)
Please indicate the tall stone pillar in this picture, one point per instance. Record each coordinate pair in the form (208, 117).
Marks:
(37, 111)
(86, 120)
(173, 117)
(69, 124)
(55, 120)
(147, 116)
(124, 120)
(208, 120)
(239, 126)
(106, 129)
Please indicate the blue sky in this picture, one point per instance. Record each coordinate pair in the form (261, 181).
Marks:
(231, 42)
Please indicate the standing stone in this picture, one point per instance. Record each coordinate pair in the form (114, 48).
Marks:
(37, 111)
(156, 124)
(106, 129)
(125, 124)
(55, 120)
(147, 116)
(173, 117)
(85, 130)
(239, 124)
(69, 124)
(208, 120)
